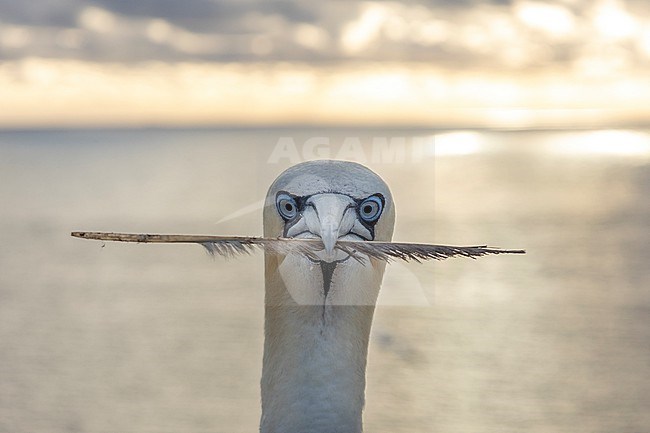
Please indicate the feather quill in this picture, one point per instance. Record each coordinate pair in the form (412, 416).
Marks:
(231, 246)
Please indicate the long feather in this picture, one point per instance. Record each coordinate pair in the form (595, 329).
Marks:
(230, 246)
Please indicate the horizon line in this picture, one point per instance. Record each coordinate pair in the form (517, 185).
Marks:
(215, 126)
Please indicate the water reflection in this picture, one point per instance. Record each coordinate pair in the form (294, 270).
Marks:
(608, 142)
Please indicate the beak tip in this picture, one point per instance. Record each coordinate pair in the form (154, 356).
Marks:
(329, 241)
(329, 246)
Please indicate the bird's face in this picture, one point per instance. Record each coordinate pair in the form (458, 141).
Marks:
(331, 201)
(330, 216)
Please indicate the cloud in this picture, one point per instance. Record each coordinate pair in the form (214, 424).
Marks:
(48, 13)
(495, 45)
(72, 93)
(495, 35)
(296, 30)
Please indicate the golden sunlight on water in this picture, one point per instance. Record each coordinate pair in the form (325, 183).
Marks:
(623, 143)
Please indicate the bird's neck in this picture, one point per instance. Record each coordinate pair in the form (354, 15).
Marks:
(317, 327)
(313, 377)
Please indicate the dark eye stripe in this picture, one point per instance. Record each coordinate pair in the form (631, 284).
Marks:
(300, 202)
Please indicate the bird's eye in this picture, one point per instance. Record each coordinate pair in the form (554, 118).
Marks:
(287, 206)
(370, 209)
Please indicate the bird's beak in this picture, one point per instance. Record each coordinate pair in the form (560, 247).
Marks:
(331, 218)
(329, 233)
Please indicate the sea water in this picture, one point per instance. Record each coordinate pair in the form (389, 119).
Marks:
(109, 337)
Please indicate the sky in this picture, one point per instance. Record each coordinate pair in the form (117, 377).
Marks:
(499, 63)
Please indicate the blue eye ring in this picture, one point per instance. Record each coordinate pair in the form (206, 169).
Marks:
(370, 209)
(286, 206)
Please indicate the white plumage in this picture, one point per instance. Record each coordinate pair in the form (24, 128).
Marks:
(319, 310)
